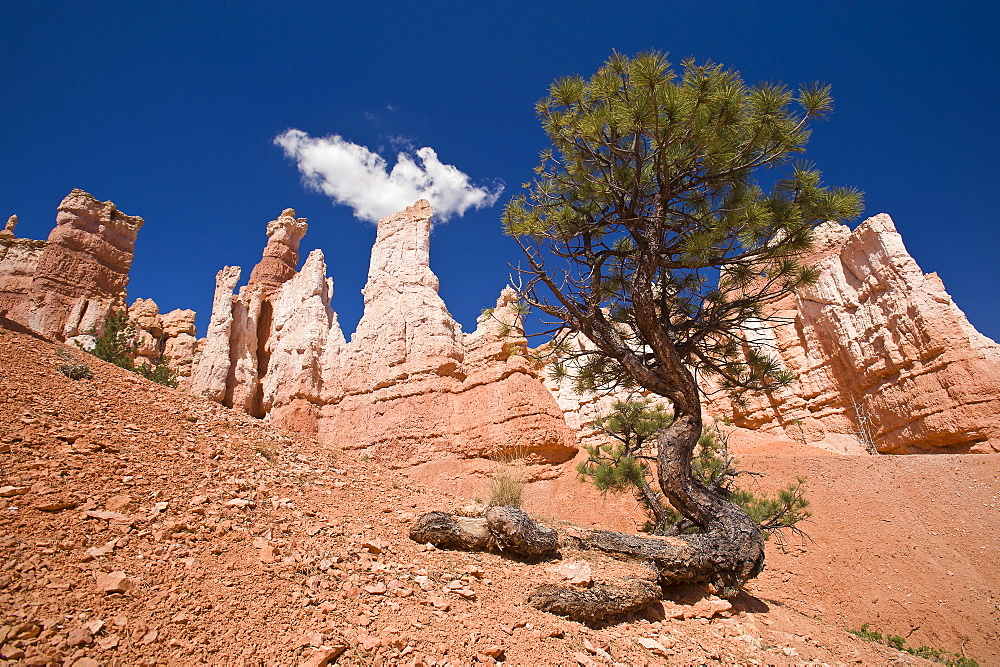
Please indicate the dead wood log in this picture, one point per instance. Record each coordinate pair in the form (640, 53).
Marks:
(451, 532)
(714, 557)
(504, 529)
(513, 531)
(596, 603)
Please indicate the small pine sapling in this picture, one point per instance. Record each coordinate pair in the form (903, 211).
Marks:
(626, 464)
(117, 345)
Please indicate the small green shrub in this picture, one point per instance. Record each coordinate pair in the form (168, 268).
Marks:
(76, 371)
(926, 652)
(117, 345)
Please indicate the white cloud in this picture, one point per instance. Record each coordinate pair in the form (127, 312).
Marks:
(357, 177)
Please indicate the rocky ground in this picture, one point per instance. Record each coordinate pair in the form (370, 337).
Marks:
(140, 525)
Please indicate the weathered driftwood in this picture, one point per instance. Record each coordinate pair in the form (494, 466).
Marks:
(504, 529)
(598, 602)
(514, 532)
(714, 557)
(451, 532)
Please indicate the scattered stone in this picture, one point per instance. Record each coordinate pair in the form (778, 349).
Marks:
(10, 652)
(324, 655)
(56, 505)
(120, 503)
(80, 637)
(114, 582)
(496, 652)
(11, 491)
(652, 645)
(576, 573)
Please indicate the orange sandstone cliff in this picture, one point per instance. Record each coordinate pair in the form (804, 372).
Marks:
(409, 386)
(882, 353)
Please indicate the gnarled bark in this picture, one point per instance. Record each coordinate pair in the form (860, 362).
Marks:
(503, 529)
(727, 552)
(513, 531)
(597, 602)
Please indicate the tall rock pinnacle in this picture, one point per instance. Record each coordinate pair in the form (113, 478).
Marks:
(281, 256)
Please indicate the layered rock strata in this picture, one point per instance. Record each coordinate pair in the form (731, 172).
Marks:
(77, 276)
(409, 386)
(885, 359)
(882, 355)
(18, 264)
(168, 337)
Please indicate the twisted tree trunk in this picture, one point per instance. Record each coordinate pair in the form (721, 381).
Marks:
(729, 549)
(727, 552)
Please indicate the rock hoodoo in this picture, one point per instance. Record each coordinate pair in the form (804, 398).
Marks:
(409, 386)
(882, 353)
(77, 275)
(8, 230)
(265, 342)
(170, 336)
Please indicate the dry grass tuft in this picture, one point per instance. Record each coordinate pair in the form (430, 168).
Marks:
(508, 480)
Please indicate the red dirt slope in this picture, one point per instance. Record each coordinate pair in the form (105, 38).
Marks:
(139, 525)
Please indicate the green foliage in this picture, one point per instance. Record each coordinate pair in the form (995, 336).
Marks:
(159, 372)
(624, 465)
(926, 652)
(616, 466)
(646, 226)
(117, 345)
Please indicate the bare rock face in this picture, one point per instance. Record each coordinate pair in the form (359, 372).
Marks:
(18, 264)
(80, 274)
(169, 337)
(882, 353)
(281, 256)
(409, 386)
(302, 326)
(210, 372)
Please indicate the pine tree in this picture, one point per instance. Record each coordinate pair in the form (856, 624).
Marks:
(667, 212)
(117, 344)
(626, 465)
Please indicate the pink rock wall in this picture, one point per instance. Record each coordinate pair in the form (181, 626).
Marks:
(877, 343)
(80, 274)
(170, 337)
(18, 264)
(409, 386)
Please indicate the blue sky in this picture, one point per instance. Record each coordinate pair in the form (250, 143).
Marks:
(170, 109)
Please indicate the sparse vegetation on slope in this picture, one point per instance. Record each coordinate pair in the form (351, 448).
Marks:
(627, 465)
(926, 652)
(116, 344)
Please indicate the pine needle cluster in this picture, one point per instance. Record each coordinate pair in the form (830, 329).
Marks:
(626, 464)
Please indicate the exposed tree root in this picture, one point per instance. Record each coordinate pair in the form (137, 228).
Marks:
(597, 602)
(503, 529)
